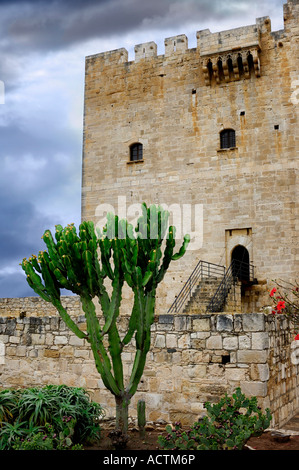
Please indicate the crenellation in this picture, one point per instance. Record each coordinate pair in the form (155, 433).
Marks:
(145, 51)
(176, 44)
(117, 56)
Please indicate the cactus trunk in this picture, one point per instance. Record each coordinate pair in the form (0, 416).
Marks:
(122, 413)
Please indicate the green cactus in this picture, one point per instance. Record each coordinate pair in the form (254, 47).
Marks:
(141, 419)
(82, 262)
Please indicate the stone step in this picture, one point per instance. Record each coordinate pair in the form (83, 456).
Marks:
(204, 293)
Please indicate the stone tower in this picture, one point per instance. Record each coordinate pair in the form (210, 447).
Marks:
(212, 132)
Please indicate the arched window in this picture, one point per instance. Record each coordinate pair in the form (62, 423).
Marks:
(227, 139)
(136, 152)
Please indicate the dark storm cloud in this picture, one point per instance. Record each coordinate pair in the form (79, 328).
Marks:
(21, 228)
(38, 183)
(58, 24)
(14, 284)
(20, 236)
(53, 24)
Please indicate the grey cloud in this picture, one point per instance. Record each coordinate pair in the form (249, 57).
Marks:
(20, 236)
(14, 285)
(39, 187)
(55, 24)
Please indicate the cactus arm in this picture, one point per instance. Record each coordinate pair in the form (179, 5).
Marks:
(132, 326)
(113, 310)
(140, 324)
(183, 248)
(143, 339)
(68, 321)
(48, 295)
(102, 360)
(138, 368)
(115, 349)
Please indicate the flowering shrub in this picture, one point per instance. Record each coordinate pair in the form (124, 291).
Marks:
(285, 298)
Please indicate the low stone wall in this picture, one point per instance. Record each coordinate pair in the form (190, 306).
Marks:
(193, 359)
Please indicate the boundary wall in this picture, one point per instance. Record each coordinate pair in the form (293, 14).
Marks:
(193, 359)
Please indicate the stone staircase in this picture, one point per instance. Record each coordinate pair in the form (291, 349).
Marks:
(204, 292)
(213, 288)
(202, 295)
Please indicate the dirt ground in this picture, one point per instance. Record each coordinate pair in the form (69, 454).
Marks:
(150, 442)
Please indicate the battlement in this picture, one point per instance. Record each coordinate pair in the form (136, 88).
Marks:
(224, 56)
(239, 38)
(208, 43)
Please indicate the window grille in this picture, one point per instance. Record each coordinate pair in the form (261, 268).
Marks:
(227, 139)
(136, 152)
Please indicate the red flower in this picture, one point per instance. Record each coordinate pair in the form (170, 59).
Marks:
(273, 292)
(280, 305)
(297, 337)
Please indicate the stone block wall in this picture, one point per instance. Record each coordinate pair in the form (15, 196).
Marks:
(193, 359)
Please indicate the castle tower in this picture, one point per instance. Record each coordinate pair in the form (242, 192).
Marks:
(212, 130)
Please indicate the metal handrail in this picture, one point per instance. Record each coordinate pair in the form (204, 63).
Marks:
(203, 270)
(238, 270)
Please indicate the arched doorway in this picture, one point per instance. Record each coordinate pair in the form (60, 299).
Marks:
(240, 263)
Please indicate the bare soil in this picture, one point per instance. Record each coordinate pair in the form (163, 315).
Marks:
(150, 441)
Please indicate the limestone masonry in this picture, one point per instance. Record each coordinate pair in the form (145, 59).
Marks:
(175, 106)
(193, 359)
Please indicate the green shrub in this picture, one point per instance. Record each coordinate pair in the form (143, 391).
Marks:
(10, 433)
(47, 439)
(228, 426)
(24, 414)
(7, 405)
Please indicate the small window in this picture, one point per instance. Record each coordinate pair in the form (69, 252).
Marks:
(227, 139)
(136, 152)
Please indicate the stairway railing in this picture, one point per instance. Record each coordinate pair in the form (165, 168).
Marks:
(238, 270)
(203, 270)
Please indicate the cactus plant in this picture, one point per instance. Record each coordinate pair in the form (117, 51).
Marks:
(82, 262)
(141, 419)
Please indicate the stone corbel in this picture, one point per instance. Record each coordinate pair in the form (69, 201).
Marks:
(225, 71)
(216, 73)
(245, 65)
(256, 63)
(235, 66)
(206, 74)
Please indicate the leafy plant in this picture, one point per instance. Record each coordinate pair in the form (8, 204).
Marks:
(47, 439)
(37, 406)
(82, 262)
(228, 426)
(7, 404)
(35, 409)
(9, 433)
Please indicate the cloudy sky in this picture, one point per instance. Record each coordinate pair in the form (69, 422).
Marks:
(43, 44)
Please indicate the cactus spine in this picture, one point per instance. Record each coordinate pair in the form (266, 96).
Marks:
(82, 262)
